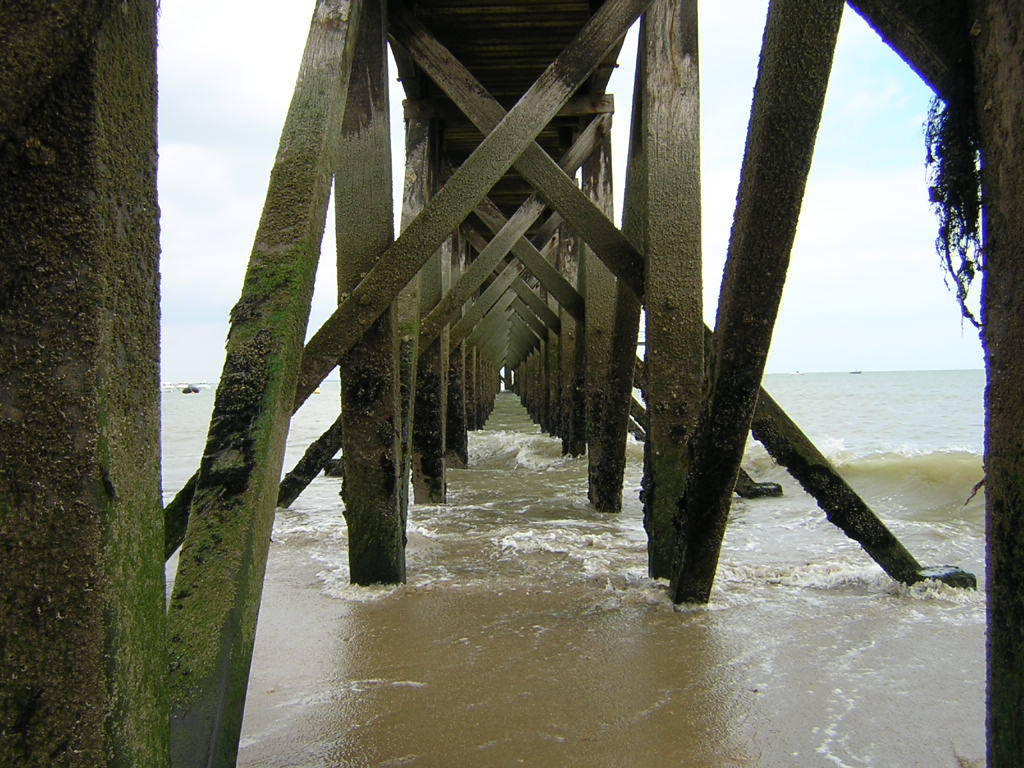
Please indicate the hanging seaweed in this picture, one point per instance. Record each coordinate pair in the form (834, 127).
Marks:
(951, 139)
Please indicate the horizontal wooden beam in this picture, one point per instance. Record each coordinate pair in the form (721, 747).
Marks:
(442, 109)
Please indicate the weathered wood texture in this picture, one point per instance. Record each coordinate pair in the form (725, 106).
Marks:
(612, 316)
(81, 578)
(471, 388)
(370, 406)
(466, 187)
(215, 602)
(796, 59)
(666, 144)
(484, 303)
(554, 363)
(619, 391)
(746, 486)
(38, 45)
(998, 41)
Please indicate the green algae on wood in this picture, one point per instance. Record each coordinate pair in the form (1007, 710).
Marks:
(81, 582)
(215, 602)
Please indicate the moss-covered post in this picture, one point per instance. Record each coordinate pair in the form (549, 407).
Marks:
(663, 212)
(370, 407)
(524, 317)
(999, 91)
(456, 438)
(598, 289)
(82, 658)
(215, 603)
(796, 59)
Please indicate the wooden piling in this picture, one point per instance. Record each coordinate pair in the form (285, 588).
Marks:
(429, 480)
(601, 292)
(456, 438)
(420, 148)
(370, 406)
(573, 360)
(215, 602)
(663, 212)
(81, 578)
(796, 59)
(998, 44)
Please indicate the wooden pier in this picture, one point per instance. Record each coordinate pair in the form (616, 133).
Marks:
(507, 270)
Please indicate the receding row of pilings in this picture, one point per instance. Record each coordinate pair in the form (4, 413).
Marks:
(93, 670)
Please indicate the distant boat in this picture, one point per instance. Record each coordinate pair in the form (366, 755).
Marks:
(856, 372)
(190, 389)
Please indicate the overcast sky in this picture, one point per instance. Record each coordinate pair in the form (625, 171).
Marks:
(864, 291)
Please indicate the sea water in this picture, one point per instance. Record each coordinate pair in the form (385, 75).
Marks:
(529, 633)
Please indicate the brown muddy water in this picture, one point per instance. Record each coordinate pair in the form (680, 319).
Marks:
(529, 634)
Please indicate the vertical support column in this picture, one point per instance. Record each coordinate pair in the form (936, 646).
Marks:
(419, 143)
(215, 604)
(598, 287)
(472, 423)
(666, 148)
(456, 439)
(617, 316)
(81, 573)
(554, 369)
(999, 88)
(796, 59)
(573, 360)
(428, 477)
(370, 412)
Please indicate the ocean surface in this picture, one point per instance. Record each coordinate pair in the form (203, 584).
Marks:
(529, 633)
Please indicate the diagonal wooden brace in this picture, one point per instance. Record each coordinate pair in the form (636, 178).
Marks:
(507, 238)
